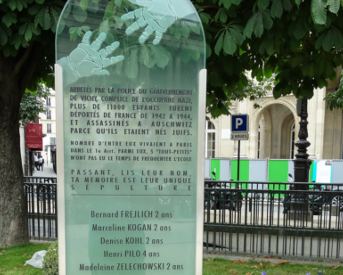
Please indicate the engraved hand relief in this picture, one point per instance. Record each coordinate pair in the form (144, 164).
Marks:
(156, 16)
(89, 59)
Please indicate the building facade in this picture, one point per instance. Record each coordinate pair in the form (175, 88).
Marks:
(273, 129)
(48, 121)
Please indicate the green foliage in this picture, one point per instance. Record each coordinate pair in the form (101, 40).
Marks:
(320, 9)
(276, 267)
(251, 88)
(50, 264)
(25, 21)
(335, 99)
(229, 40)
(32, 103)
(77, 32)
(299, 41)
(319, 12)
(276, 9)
(12, 259)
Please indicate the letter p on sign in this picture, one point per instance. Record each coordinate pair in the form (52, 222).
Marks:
(238, 123)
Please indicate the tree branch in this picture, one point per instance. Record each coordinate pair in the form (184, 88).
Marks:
(32, 60)
(22, 61)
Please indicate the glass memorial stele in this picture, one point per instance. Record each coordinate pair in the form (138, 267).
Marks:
(130, 81)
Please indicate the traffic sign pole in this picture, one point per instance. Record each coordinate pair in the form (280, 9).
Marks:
(239, 131)
(238, 160)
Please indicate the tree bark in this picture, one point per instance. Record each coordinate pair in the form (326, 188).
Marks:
(13, 207)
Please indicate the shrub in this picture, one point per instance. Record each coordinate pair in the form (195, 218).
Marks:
(50, 264)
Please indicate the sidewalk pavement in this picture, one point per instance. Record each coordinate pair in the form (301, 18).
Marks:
(47, 172)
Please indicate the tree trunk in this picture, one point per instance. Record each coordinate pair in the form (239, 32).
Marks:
(13, 207)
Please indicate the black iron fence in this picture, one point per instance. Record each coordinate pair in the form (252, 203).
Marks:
(274, 219)
(240, 218)
(42, 207)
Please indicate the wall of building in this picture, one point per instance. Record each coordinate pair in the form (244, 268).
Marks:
(22, 146)
(333, 138)
(271, 124)
(49, 126)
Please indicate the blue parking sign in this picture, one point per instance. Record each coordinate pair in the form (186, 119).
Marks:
(239, 123)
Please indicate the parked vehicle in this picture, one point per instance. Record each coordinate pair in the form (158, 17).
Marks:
(319, 196)
(326, 197)
(222, 195)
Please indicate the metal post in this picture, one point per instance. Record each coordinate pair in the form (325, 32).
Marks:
(238, 159)
(301, 162)
(30, 163)
(299, 201)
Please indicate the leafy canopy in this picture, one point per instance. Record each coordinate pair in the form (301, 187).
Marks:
(33, 103)
(298, 41)
(335, 99)
(24, 22)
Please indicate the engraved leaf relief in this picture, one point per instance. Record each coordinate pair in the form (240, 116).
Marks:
(155, 16)
(152, 21)
(89, 59)
(123, 19)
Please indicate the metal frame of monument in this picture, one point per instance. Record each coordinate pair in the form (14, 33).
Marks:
(61, 169)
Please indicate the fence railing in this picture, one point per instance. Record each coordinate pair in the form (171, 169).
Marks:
(274, 219)
(271, 219)
(42, 207)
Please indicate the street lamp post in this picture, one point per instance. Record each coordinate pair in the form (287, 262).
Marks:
(301, 162)
(299, 200)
